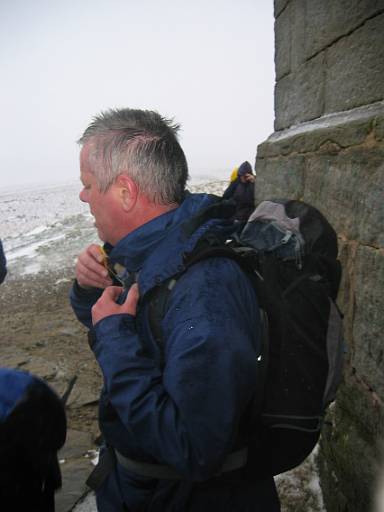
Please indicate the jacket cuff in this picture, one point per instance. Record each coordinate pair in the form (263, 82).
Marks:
(115, 325)
(84, 292)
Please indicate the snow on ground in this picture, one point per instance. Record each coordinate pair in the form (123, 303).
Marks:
(87, 505)
(299, 489)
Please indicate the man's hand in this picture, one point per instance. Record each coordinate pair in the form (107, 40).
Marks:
(250, 178)
(90, 269)
(106, 305)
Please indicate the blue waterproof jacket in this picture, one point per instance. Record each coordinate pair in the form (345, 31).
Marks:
(13, 386)
(184, 405)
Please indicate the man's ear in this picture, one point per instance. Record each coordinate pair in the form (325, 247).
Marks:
(128, 191)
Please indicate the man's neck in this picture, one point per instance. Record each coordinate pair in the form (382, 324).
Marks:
(146, 211)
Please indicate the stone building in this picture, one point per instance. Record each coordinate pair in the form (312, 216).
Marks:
(328, 149)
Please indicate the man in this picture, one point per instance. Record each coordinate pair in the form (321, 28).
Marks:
(242, 191)
(174, 415)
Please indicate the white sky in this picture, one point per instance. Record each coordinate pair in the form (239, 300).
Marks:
(208, 64)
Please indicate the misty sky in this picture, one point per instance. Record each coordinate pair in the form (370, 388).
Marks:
(208, 64)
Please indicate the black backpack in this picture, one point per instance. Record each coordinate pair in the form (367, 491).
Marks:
(289, 251)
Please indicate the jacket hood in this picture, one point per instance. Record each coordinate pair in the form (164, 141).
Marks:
(245, 168)
(13, 385)
(156, 249)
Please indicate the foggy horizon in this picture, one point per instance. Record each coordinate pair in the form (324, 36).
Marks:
(209, 66)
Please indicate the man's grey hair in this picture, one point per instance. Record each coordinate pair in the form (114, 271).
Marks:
(141, 144)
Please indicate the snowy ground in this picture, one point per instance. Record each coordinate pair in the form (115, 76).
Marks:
(299, 489)
(87, 505)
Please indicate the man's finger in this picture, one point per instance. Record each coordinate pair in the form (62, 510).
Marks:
(90, 271)
(97, 252)
(130, 304)
(106, 305)
(111, 293)
(91, 279)
(93, 273)
(87, 262)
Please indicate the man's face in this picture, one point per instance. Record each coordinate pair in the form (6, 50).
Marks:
(244, 178)
(104, 206)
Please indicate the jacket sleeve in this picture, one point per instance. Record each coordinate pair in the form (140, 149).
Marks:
(82, 301)
(3, 264)
(189, 414)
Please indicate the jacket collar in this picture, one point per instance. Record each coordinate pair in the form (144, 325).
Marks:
(156, 249)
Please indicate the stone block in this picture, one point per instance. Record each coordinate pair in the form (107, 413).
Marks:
(342, 130)
(298, 26)
(329, 20)
(345, 298)
(282, 177)
(368, 321)
(299, 96)
(355, 68)
(349, 186)
(283, 44)
(379, 128)
(279, 6)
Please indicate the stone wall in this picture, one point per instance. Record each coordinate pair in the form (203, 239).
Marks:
(329, 57)
(328, 149)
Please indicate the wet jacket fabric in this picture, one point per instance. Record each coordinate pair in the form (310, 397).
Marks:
(13, 386)
(185, 405)
(244, 196)
(3, 264)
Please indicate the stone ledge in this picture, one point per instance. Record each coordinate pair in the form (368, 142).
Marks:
(345, 129)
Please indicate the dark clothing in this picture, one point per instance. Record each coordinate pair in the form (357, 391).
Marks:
(244, 196)
(3, 264)
(32, 429)
(185, 405)
(245, 168)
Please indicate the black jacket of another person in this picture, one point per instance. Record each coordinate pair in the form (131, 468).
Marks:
(3, 264)
(243, 194)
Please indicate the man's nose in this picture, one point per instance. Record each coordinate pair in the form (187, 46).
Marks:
(82, 196)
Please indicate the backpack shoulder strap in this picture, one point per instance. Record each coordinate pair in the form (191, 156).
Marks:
(245, 257)
(158, 296)
(157, 307)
